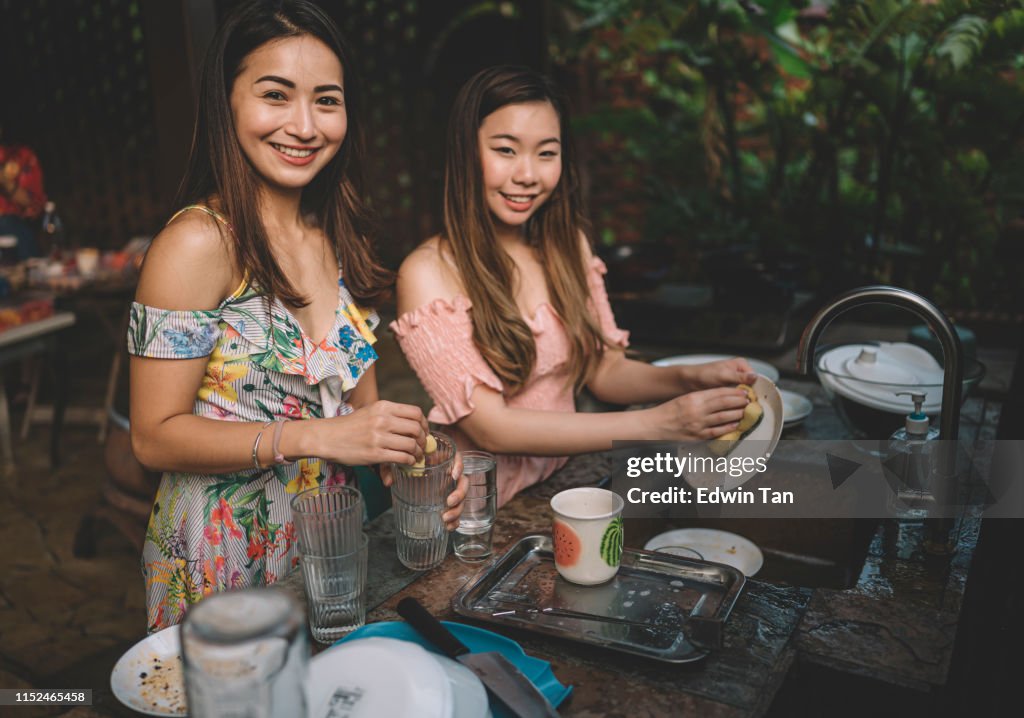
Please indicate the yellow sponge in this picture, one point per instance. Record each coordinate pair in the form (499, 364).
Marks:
(752, 415)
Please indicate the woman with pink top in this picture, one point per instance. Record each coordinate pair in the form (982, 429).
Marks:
(504, 315)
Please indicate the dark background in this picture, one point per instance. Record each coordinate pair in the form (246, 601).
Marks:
(103, 91)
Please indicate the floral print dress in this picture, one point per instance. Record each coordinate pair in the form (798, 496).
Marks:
(212, 532)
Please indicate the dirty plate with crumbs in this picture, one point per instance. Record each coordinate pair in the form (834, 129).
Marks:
(714, 545)
(148, 678)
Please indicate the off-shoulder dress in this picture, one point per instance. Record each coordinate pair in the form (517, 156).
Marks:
(437, 340)
(212, 532)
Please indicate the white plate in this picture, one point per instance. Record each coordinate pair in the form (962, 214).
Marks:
(906, 360)
(375, 677)
(795, 407)
(468, 693)
(714, 545)
(880, 372)
(758, 443)
(762, 368)
(161, 690)
(875, 397)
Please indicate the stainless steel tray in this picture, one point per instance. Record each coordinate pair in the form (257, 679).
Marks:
(642, 611)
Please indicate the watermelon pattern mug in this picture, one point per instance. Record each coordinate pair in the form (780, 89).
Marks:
(587, 534)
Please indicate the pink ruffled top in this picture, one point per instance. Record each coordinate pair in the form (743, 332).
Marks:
(437, 339)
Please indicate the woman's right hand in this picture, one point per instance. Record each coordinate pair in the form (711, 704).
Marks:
(377, 433)
(698, 415)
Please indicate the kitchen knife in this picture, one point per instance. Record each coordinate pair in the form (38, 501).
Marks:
(501, 678)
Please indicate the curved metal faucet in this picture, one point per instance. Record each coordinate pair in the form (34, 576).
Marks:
(952, 369)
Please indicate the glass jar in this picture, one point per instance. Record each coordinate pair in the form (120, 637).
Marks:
(245, 655)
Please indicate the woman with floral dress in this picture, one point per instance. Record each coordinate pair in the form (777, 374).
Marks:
(252, 372)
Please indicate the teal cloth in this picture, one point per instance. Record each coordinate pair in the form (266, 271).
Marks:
(376, 496)
(477, 640)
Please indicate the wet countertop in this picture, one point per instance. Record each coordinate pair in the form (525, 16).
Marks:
(738, 680)
(896, 624)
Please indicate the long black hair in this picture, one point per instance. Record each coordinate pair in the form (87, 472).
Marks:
(488, 274)
(218, 167)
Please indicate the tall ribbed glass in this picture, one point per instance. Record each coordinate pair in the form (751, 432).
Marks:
(336, 592)
(419, 496)
(328, 520)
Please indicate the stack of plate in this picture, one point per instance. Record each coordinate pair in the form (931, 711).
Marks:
(875, 374)
(368, 678)
(796, 407)
(762, 368)
(388, 677)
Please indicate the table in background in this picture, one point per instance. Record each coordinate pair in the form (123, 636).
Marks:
(28, 340)
(107, 300)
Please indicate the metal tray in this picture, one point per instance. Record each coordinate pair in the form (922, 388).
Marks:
(656, 590)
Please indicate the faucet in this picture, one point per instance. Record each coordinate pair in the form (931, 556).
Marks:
(939, 530)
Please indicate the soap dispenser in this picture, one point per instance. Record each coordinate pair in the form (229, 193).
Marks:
(909, 459)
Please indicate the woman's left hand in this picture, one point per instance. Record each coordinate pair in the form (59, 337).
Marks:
(725, 372)
(455, 498)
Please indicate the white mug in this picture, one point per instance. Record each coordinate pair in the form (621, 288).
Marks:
(587, 534)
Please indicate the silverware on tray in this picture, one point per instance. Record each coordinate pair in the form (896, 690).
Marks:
(702, 631)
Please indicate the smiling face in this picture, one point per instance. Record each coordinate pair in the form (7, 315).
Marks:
(521, 153)
(289, 111)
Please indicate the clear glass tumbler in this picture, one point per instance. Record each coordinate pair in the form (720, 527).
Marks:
(472, 540)
(419, 496)
(328, 520)
(245, 654)
(336, 592)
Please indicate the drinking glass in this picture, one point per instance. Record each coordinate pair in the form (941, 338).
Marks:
(328, 520)
(245, 653)
(473, 538)
(336, 592)
(419, 495)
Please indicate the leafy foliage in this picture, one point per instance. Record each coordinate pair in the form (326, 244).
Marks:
(880, 140)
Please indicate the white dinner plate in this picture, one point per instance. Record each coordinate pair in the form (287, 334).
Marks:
(795, 408)
(148, 678)
(161, 691)
(468, 694)
(375, 677)
(758, 443)
(714, 545)
(762, 368)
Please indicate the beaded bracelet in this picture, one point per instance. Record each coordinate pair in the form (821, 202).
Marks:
(276, 444)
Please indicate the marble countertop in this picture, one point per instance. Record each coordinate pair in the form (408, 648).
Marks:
(895, 624)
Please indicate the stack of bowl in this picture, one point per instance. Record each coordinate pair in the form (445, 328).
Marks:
(867, 383)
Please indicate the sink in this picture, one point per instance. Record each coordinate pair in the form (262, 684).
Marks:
(809, 552)
(816, 553)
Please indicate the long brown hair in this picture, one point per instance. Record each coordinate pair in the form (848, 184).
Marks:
(219, 168)
(499, 330)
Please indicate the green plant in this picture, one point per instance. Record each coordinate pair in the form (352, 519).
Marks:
(882, 139)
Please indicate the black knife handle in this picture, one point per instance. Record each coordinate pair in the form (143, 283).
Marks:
(433, 630)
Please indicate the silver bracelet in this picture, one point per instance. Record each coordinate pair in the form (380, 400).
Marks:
(256, 447)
